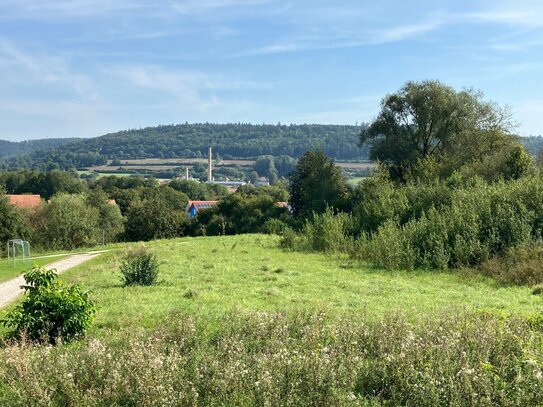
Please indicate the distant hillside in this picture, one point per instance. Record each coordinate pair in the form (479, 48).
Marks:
(230, 141)
(533, 144)
(11, 148)
(192, 140)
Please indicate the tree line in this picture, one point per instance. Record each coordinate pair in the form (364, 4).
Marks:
(233, 140)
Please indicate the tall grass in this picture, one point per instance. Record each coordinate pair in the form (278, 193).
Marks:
(297, 360)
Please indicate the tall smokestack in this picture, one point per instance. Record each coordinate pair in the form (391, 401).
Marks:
(209, 167)
(187, 173)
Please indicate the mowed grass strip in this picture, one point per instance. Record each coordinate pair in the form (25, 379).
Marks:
(212, 276)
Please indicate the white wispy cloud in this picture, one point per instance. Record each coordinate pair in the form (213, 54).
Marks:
(193, 90)
(331, 40)
(61, 9)
(45, 69)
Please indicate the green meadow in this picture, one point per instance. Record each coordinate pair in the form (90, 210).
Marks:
(239, 321)
(211, 276)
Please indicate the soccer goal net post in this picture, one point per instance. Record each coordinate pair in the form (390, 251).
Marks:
(18, 250)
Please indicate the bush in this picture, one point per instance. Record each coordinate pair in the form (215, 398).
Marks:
(520, 265)
(50, 310)
(328, 232)
(275, 227)
(139, 267)
(389, 248)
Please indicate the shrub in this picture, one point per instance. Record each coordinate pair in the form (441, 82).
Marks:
(139, 267)
(389, 248)
(275, 227)
(520, 265)
(50, 310)
(328, 232)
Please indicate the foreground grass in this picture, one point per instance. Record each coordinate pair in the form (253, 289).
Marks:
(298, 359)
(211, 276)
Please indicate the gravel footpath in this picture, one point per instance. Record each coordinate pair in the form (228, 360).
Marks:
(11, 289)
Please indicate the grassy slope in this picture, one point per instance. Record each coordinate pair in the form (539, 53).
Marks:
(251, 273)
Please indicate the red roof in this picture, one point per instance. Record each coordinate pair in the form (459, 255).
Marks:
(25, 201)
(201, 204)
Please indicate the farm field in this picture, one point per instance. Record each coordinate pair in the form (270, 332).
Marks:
(164, 164)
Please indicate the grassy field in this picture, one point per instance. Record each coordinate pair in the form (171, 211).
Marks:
(239, 321)
(8, 270)
(101, 175)
(212, 276)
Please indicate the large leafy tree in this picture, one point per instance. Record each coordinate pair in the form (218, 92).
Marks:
(316, 184)
(430, 120)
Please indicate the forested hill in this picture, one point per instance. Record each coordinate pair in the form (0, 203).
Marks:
(11, 148)
(235, 140)
(192, 140)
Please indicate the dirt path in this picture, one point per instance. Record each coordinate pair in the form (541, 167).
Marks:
(10, 290)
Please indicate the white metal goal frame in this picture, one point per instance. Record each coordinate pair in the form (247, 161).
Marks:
(18, 248)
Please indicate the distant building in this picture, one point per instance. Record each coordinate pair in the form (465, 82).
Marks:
(263, 182)
(229, 184)
(193, 207)
(25, 201)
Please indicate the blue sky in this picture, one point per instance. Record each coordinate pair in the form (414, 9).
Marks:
(87, 67)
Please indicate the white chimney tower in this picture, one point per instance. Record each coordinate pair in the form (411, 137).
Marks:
(209, 167)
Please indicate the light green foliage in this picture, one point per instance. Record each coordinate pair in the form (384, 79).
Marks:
(328, 232)
(50, 310)
(139, 267)
(481, 221)
(111, 222)
(67, 222)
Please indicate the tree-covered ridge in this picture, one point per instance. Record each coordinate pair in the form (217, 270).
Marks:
(13, 148)
(234, 140)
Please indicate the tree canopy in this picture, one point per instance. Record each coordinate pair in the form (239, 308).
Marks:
(428, 119)
(316, 184)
